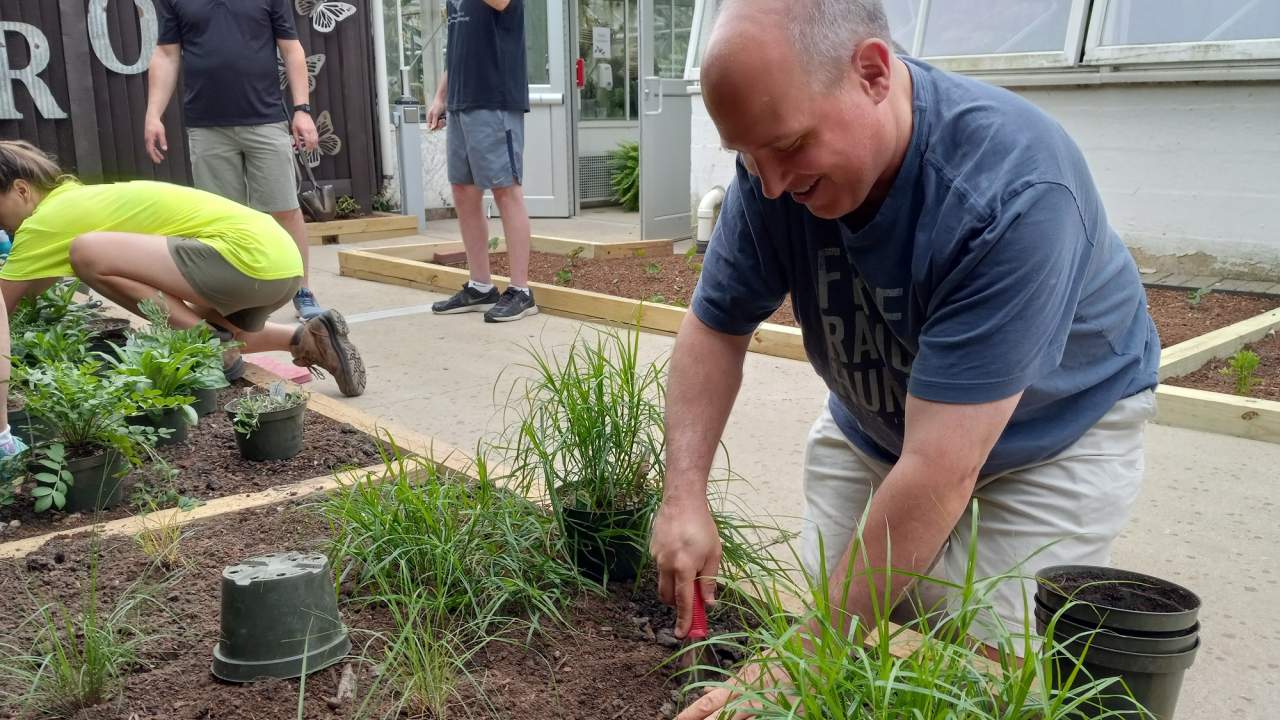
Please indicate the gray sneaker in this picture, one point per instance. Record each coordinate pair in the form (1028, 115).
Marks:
(305, 305)
(468, 299)
(513, 305)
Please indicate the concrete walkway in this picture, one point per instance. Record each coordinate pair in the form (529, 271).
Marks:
(1207, 517)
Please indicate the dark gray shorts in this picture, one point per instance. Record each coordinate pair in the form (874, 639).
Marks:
(245, 301)
(485, 147)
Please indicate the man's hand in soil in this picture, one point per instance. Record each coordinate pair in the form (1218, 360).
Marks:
(686, 546)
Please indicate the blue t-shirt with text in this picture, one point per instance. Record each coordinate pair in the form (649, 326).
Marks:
(989, 269)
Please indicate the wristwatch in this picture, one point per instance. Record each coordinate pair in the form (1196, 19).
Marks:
(302, 107)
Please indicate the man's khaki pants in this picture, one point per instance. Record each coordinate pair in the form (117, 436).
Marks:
(1067, 509)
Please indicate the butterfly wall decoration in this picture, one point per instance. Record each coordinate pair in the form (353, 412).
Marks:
(325, 14)
(330, 143)
(314, 64)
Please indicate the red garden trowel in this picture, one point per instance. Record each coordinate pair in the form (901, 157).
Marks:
(698, 659)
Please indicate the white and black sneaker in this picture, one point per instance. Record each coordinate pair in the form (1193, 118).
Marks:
(468, 299)
(513, 305)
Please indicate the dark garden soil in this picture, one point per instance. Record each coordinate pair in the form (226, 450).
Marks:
(671, 280)
(210, 466)
(1179, 320)
(1215, 376)
(1103, 590)
(608, 666)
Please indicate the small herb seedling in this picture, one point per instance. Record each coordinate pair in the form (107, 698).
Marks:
(493, 243)
(657, 299)
(564, 276)
(1196, 296)
(653, 269)
(1243, 368)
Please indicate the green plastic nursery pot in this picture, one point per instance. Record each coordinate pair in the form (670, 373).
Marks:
(206, 401)
(278, 437)
(97, 482)
(279, 618)
(171, 419)
(607, 544)
(1120, 624)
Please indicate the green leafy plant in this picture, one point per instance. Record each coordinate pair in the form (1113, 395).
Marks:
(53, 481)
(63, 343)
(251, 406)
(81, 413)
(691, 259)
(54, 307)
(588, 432)
(564, 276)
(1242, 368)
(197, 349)
(660, 299)
(383, 202)
(1195, 297)
(155, 488)
(653, 269)
(79, 658)
(494, 242)
(625, 165)
(348, 208)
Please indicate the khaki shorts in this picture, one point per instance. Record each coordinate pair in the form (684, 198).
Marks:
(250, 164)
(1066, 510)
(245, 301)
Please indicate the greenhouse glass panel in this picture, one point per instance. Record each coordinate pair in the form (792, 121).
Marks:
(1151, 22)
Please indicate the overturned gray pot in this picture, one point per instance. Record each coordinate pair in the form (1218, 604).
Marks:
(279, 618)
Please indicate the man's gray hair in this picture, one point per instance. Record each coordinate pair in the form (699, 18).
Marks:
(825, 32)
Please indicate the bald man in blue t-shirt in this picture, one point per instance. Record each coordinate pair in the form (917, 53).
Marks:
(981, 328)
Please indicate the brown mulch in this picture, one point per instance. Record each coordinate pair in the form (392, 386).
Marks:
(671, 280)
(1215, 376)
(667, 280)
(210, 466)
(1178, 320)
(608, 666)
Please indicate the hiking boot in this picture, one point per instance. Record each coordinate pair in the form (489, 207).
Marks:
(305, 306)
(468, 299)
(513, 305)
(232, 362)
(322, 342)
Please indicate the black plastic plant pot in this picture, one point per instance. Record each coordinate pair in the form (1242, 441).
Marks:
(1120, 600)
(206, 401)
(172, 419)
(1067, 630)
(1150, 682)
(279, 618)
(607, 544)
(25, 427)
(97, 483)
(278, 436)
(103, 332)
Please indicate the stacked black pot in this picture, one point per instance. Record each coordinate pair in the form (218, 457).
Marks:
(1120, 624)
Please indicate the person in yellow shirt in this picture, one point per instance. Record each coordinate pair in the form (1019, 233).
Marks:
(208, 258)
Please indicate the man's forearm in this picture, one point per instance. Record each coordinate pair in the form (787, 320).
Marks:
(295, 66)
(162, 79)
(909, 519)
(442, 90)
(706, 373)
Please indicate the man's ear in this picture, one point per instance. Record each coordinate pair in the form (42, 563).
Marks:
(873, 66)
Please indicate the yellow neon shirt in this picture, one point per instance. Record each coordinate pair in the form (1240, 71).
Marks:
(253, 242)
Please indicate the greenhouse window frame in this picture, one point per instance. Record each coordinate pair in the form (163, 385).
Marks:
(1205, 51)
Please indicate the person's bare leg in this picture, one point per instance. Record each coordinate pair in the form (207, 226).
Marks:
(515, 225)
(469, 201)
(127, 268)
(294, 224)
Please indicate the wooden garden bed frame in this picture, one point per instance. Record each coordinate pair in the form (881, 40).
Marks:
(377, 226)
(412, 266)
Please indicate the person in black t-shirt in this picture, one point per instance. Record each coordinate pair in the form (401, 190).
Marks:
(241, 144)
(486, 93)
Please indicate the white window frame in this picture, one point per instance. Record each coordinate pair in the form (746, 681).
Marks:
(703, 14)
(1204, 51)
(1073, 43)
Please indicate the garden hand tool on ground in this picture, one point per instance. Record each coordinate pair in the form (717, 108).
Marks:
(698, 658)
